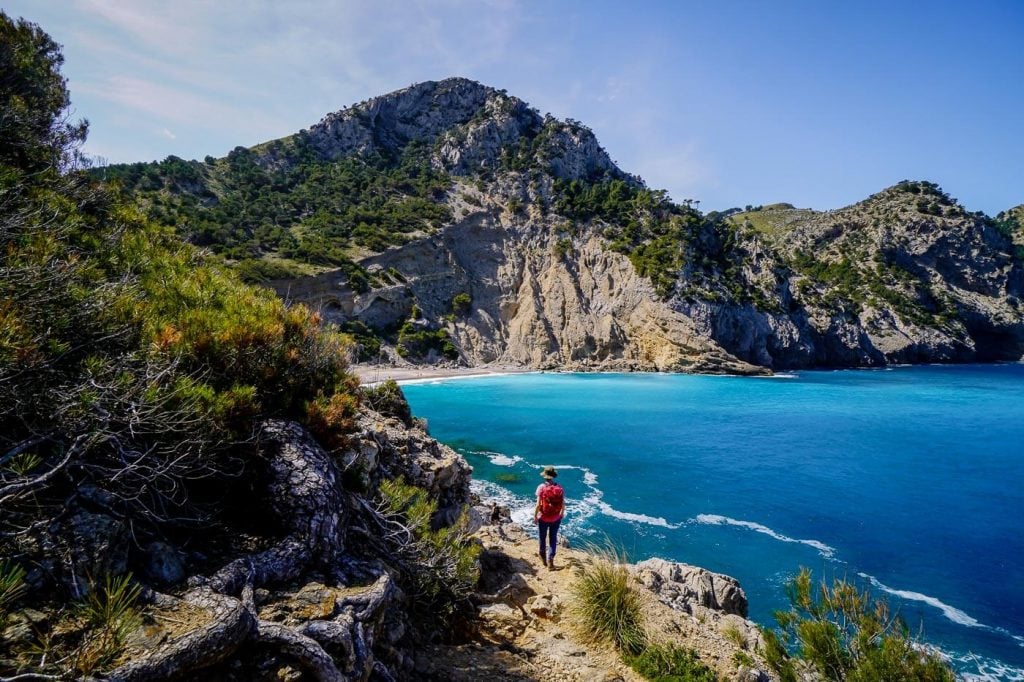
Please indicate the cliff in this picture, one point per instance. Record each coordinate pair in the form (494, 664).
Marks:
(450, 220)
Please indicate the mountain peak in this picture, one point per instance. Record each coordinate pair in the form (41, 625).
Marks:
(473, 128)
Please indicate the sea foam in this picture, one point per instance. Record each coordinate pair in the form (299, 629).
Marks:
(501, 460)
(952, 613)
(717, 520)
(609, 510)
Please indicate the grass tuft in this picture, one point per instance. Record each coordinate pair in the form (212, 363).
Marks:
(111, 615)
(606, 605)
(12, 587)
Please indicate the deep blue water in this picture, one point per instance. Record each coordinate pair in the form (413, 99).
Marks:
(910, 479)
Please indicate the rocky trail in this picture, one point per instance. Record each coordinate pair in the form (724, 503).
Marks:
(526, 629)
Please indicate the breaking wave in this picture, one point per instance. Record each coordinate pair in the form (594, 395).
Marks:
(952, 613)
(716, 520)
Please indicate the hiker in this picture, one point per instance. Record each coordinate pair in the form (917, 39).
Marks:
(548, 515)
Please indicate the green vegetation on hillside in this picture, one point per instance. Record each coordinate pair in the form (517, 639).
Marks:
(443, 568)
(277, 206)
(1011, 225)
(416, 341)
(680, 250)
(774, 220)
(931, 200)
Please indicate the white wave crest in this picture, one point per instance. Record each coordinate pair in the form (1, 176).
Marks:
(578, 508)
(716, 520)
(952, 613)
(608, 510)
(501, 460)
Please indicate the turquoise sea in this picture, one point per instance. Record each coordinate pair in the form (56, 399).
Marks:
(910, 479)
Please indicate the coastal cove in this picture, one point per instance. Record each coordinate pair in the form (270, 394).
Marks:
(905, 478)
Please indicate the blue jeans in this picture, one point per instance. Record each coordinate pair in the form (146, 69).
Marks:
(548, 530)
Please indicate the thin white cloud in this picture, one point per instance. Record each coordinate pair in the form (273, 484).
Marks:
(166, 102)
(159, 26)
(164, 132)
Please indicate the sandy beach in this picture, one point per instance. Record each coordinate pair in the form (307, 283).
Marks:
(370, 375)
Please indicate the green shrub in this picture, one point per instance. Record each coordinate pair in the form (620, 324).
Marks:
(388, 399)
(844, 633)
(147, 364)
(366, 340)
(441, 562)
(416, 342)
(742, 658)
(110, 616)
(563, 247)
(670, 663)
(255, 270)
(461, 303)
(734, 635)
(12, 587)
(606, 605)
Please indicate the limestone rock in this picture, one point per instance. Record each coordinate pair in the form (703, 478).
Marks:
(402, 451)
(683, 586)
(545, 606)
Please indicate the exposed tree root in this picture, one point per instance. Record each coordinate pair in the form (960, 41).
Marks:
(232, 623)
(305, 650)
(306, 496)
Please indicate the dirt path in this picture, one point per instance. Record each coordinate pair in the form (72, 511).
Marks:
(526, 629)
(527, 633)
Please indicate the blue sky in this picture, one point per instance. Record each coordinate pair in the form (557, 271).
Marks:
(731, 103)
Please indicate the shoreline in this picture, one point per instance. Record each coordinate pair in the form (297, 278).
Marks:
(372, 375)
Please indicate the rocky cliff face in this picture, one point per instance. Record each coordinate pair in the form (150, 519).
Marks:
(905, 276)
(538, 298)
(560, 259)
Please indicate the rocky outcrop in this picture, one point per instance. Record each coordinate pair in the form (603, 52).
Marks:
(312, 588)
(683, 587)
(469, 127)
(527, 628)
(385, 448)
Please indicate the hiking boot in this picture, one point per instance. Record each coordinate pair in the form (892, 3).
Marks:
(551, 564)
(543, 559)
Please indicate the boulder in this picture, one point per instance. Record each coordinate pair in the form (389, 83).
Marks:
(682, 586)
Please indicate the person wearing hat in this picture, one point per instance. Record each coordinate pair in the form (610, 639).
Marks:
(548, 514)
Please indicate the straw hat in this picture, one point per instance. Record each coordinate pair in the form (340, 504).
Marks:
(549, 473)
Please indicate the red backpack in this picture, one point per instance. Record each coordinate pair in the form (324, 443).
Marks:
(551, 499)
